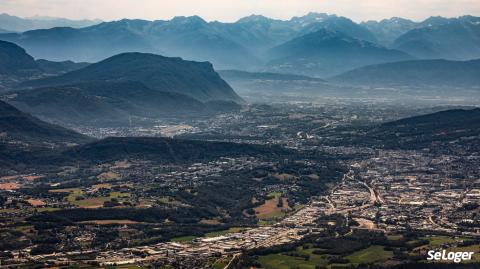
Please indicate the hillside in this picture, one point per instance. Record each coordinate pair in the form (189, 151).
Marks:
(164, 150)
(325, 53)
(194, 79)
(21, 127)
(103, 103)
(14, 60)
(416, 73)
(448, 127)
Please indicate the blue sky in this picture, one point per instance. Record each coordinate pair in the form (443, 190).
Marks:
(231, 10)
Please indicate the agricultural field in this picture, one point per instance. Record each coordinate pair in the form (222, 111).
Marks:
(79, 197)
(308, 259)
(280, 261)
(183, 239)
(370, 255)
(274, 208)
(349, 251)
(224, 232)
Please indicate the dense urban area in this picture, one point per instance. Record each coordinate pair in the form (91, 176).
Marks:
(186, 218)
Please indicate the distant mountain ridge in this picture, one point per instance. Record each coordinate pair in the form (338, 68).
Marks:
(51, 67)
(313, 22)
(17, 66)
(451, 39)
(16, 24)
(325, 53)
(15, 61)
(416, 73)
(387, 30)
(238, 45)
(260, 44)
(242, 75)
(89, 44)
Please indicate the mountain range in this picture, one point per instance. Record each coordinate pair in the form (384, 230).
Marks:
(388, 30)
(457, 39)
(312, 46)
(16, 24)
(258, 43)
(324, 53)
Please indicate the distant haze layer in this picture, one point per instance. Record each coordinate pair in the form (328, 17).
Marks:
(232, 10)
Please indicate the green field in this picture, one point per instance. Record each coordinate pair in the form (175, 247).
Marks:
(335, 255)
(280, 261)
(183, 239)
(370, 255)
(224, 232)
(266, 222)
(437, 241)
(128, 266)
(310, 256)
(189, 238)
(472, 248)
(93, 202)
(273, 194)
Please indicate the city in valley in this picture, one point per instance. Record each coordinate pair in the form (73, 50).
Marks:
(292, 199)
(300, 141)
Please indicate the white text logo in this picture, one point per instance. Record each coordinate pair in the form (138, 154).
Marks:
(450, 256)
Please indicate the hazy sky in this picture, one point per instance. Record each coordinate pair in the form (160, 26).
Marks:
(231, 10)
